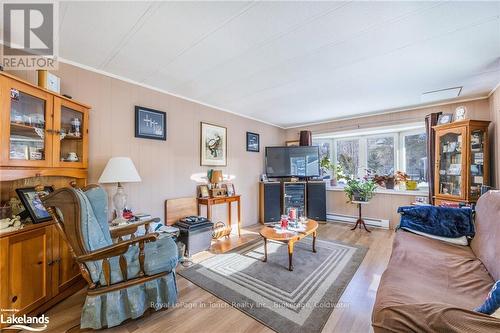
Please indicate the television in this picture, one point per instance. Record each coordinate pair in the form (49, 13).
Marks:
(300, 161)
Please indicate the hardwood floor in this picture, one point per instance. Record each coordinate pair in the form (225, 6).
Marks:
(200, 311)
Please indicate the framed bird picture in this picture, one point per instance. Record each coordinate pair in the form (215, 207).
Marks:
(213, 145)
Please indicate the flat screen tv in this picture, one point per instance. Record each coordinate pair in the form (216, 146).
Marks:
(292, 161)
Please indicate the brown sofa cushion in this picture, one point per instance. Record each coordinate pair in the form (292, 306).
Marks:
(428, 283)
(486, 243)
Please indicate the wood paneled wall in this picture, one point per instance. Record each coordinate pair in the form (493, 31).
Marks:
(381, 206)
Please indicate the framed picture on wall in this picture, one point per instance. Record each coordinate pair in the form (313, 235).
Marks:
(213, 145)
(292, 143)
(253, 142)
(32, 203)
(150, 124)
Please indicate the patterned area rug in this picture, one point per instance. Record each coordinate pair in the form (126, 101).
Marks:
(297, 301)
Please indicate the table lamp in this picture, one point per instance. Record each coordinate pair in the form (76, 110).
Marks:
(119, 170)
(216, 177)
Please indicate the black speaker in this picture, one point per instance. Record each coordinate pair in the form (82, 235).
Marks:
(270, 202)
(316, 200)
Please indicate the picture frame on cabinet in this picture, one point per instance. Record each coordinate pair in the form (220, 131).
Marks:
(32, 203)
(445, 118)
(460, 113)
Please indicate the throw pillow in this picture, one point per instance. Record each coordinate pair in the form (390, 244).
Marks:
(492, 302)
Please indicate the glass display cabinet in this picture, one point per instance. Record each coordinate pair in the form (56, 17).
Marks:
(462, 161)
(40, 129)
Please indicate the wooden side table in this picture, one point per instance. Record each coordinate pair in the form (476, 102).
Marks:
(360, 220)
(209, 202)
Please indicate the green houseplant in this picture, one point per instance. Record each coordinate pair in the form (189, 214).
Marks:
(327, 165)
(357, 189)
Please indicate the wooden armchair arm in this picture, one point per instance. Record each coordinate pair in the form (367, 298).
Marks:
(118, 249)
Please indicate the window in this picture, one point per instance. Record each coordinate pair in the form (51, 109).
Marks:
(414, 152)
(347, 155)
(382, 153)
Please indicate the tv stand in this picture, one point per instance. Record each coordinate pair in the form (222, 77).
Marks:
(277, 197)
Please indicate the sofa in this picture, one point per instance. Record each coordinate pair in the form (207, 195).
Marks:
(434, 286)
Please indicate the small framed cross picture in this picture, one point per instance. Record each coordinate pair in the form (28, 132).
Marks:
(150, 124)
(253, 142)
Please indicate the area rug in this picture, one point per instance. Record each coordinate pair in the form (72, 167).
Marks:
(288, 302)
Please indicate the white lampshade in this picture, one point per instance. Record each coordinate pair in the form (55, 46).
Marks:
(120, 170)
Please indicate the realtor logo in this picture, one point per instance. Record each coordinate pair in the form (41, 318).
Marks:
(29, 35)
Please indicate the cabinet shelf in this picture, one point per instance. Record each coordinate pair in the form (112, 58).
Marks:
(24, 130)
(72, 138)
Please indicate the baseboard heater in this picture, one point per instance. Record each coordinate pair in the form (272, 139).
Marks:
(332, 217)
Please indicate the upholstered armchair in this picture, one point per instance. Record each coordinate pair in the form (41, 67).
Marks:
(124, 278)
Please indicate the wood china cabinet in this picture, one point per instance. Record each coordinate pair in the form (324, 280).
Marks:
(43, 140)
(41, 129)
(462, 161)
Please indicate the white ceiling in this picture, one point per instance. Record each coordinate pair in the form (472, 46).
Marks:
(290, 63)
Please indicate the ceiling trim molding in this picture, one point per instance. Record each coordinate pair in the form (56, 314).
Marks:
(137, 83)
(376, 113)
(494, 89)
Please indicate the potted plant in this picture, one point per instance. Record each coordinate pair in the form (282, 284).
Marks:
(388, 181)
(357, 189)
(327, 165)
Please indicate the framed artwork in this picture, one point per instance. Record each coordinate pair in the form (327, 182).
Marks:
(33, 204)
(292, 143)
(445, 118)
(460, 113)
(213, 145)
(150, 124)
(253, 142)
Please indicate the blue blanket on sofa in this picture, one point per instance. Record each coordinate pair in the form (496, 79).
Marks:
(438, 221)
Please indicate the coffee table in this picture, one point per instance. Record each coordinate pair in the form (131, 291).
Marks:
(289, 237)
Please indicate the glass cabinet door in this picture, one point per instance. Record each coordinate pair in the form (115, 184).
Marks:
(27, 123)
(478, 174)
(70, 139)
(450, 180)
